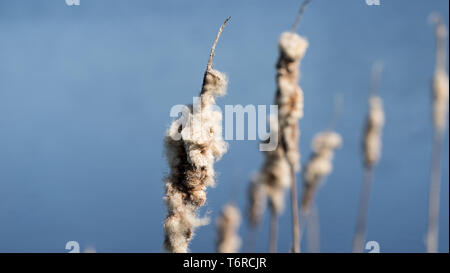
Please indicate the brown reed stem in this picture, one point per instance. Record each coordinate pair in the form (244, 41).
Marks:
(273, 240)
(313, 228)
(360, 232)
(213, 48)
(434, 194)
(295, 218)
(299, 15)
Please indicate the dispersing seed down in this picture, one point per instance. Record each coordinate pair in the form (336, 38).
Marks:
(227, 229)
(193, 143)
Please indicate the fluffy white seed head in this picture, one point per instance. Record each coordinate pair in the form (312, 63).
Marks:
(227, 228)
(440, 99)
(292, 45)
(320, 164)
(257, 201)
(191, 161)
(373, 130)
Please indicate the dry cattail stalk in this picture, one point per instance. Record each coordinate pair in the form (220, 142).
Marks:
(440, 87)
(280, 166)
(274, 178)
(372, 152)
(319, 165)
(227, 229)
(191, 152)
(289, 98)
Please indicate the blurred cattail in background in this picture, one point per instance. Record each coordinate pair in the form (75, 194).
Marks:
(279, 168)
(191, 152)
(289, 98)
(275, 180)
(440, 88)
(228, 240)
(257, 199)
(319, 166)
(371, 154)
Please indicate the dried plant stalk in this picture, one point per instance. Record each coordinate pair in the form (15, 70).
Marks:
(289, 98)
(191, 151)
(372, 152)
(440, 88)
(227, 229)
(280, 166)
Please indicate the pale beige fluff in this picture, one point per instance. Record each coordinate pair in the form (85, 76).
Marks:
(274, 174)
(440, 102)
(373, 130)
(257, 201)
(228, 222)
(289, 95)
(191, 161)
(319, 165)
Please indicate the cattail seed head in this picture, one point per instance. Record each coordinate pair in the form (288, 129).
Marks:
(257, 201)
(440, 83)
(319, 165)
(292, 46)
(440, 100)
(373, 130)
(274, 174)
(227, 229)
(193, 143)
(289, 96)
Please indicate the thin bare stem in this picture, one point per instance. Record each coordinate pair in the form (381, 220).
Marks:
(441, 34)
(375, 75)
(213, 48)
(337, 109)
(360, 232)
(299, 15)
(295, 217)
(273, 241)
(251, 237)
(313, 230)
(434, 194)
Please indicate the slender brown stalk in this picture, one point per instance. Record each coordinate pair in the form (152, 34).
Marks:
(295, 215)
(273, 240)
(213, 48)
(299, 15)
(360, 233)
(313, 231)
(434, 195)
(440, 108)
